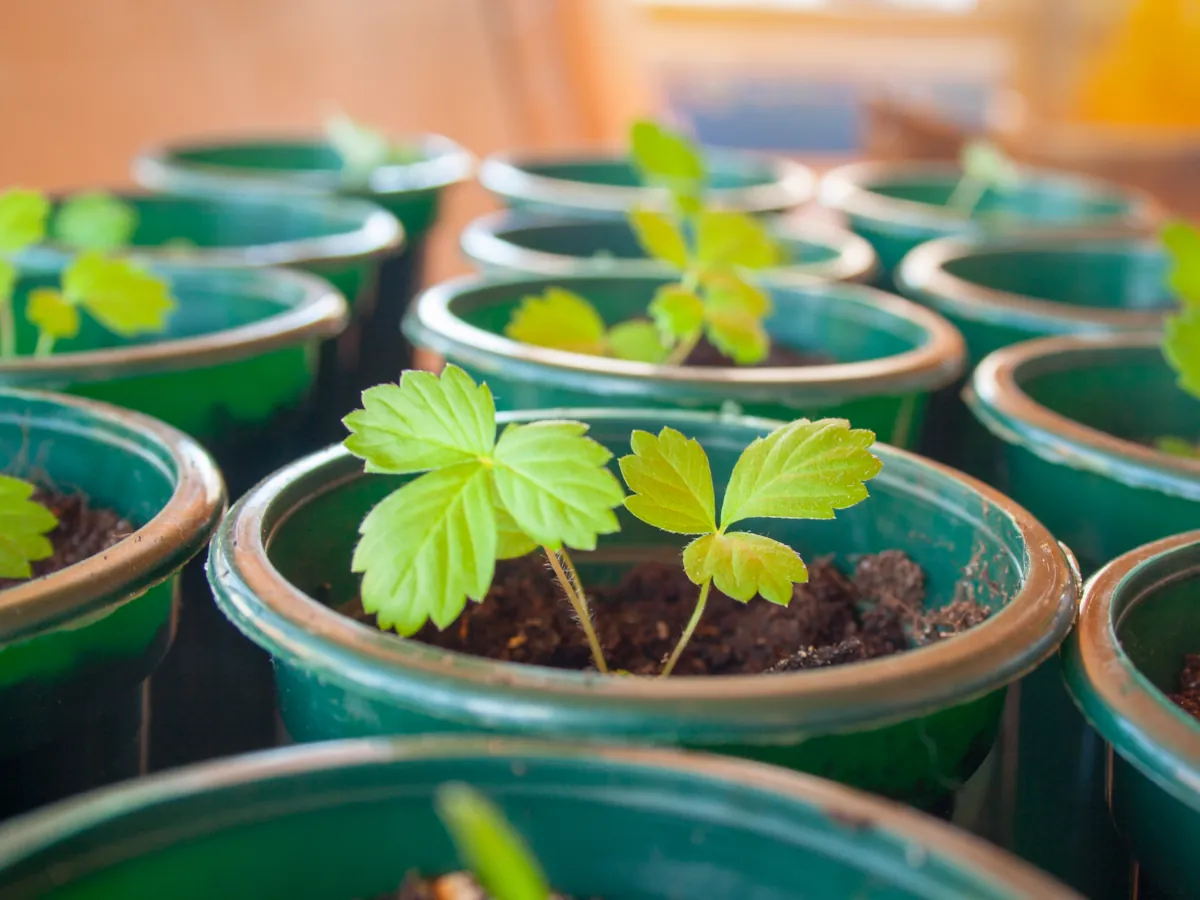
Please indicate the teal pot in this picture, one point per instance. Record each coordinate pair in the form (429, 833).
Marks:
(351, 819)
(77, 646)
(1140, 616)
(553, 246)
(898, 205)
(282, 165)
(912, 726)
(889, 354)
(606, 185)
(998, 290)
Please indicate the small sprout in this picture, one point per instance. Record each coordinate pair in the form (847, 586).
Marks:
(363, 149)
(1181, 331)
(488, 845)
(24, 524)
(985, 167)
(95, 220)
(562, 320)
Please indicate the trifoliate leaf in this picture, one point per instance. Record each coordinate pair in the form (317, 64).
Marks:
(424, 422)
(726, 238)
(671, 482)
(511, 541)
(986, 163)
(1181, 347)
(24, 524)
(52, 314)
(22, 219)
(660, 237)
(1182, 241)
(488, 846)
(124, 298)
(676, 311)
(804, 470)
(637, 340)
(560, 320)
(737, 334)
(742, 565)
(427, 547)
(728, 291)
(1177, 446)
(8, 278)
(95, 221)
(662, 156)
(553, 481)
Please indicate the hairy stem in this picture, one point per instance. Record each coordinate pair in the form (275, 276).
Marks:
(967, 194)
(8, 329)
(683, 350)
(687, 632)
(578, 601)
(45, 344)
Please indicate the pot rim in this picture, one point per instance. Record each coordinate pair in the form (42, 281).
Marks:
(284, 620)
(40, 830)
(158, 167)
(847, 188)
(484, 241)
(321, 313)
(379, 232)
(923, 271)
(149, 555)
(1141, 723)
(995, 397)
(934, 364)
(507, 175)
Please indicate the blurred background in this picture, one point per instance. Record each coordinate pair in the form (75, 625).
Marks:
(1108, 86)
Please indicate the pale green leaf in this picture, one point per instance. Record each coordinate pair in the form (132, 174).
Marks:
(637, 340)
(361, 149)
(22, 219)
(8, 278)
(24, 524)
(671, 482)
(1181, 347)
(122, 297)
(742, 565)
(676, 311)
(427, 547)
(424, 422)
(727, 238)
(663, 156)
(511, 541)
(737, 334)
(488, 846)
(728, 291)
(560, 320)
(986, 163)
(1182, 242)
(1177, 446)
(95, 220)
(51, 313)
(659, 236)
(554, 482)
(803, 470)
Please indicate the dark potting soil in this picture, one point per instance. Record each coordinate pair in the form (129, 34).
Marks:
(707, 355)
(83, 531)
(832, 619)
(457, 886)
(1188, 696)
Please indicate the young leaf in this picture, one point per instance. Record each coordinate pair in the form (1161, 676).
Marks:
(737, 334)
(1181, 347)
(52, 314)
(511, 541)
(561, 320)
(362, 149)
(662, 156)
(8, 279)
(22, 219)
(488, 846)
(671, 482)
(660, 237)
(122, 297)
(725, 238)
(987, 164)
(1177, 446)
(1182, 242)
(95, 221)
(742, 565)
(678, 312)
(24, 524)
(637, 340)
(729, 292)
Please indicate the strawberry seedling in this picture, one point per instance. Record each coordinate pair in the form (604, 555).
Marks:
(1181, 331)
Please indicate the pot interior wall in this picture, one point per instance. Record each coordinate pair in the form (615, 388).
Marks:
(620, 173)
(1044, 201)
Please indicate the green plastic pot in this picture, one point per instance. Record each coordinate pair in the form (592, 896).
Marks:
(912, 726)
(1140, 615)
(350, 819)
(532, 245)
(410, 191)
(890, 354)
(898, 205)
(607, 185)
(77, 646)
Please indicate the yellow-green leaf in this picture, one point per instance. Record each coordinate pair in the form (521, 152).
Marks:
(803, 470)
(1181, 347)
(511, 541)
(23, 216)
(637, 340)
(24, 524)
(987, 164)
(1177, 446)
(52, 314)
(742, 565)
(121, 296)
(8, 279)
(560, 320)
(671, 482)
(726, 238)
(1182, 242)
(676, 311)
(729, 291)
(663, 156)
(361, 149)
(95, 220)
(737, 334)
(659, 236)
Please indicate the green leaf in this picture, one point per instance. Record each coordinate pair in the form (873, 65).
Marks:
(560, 320)
(671, 482)
(95, 221)
(1181, 347)
(488, 846)
(427, 547)
(742, 565)
(22, 219)
(1177, 446)
(803, 470)
(659, 237)
(23, 525)
(8, 279)
(124, 298)
(661, 155)
(424, 422)
(361, 149)
(1182, 242)
(986, 163)
(726, 238)
(511, 541)
(52, 314)
(737, 334)
(676, 311)
(728, 291)
(637, 340)
(554, 482)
